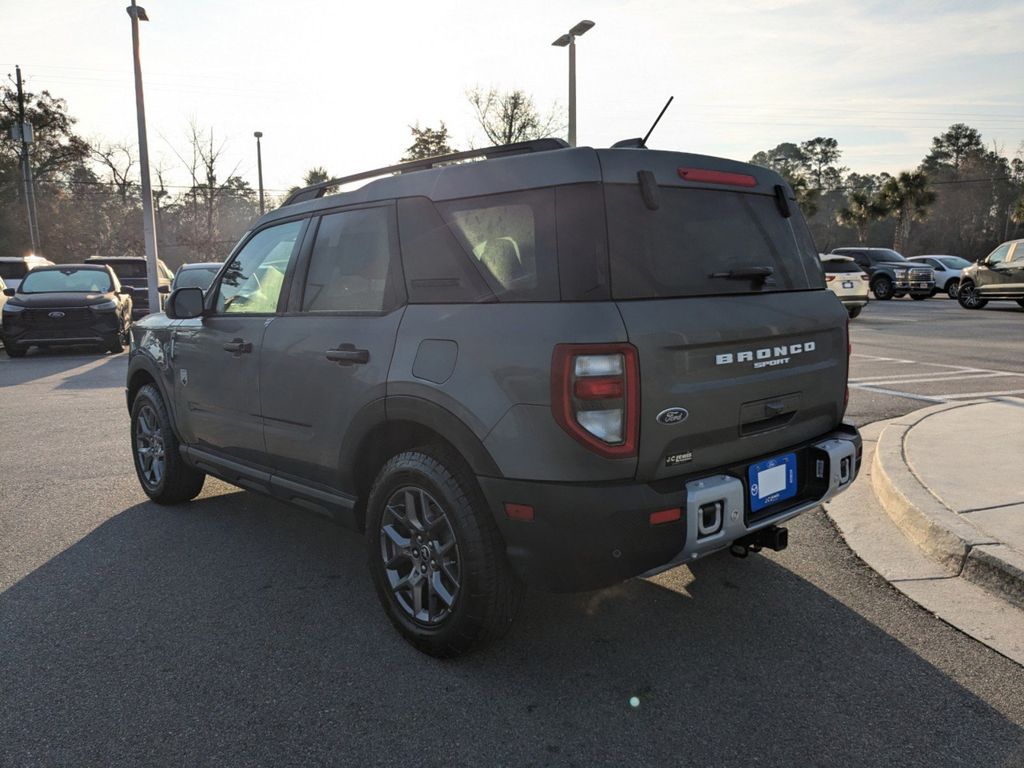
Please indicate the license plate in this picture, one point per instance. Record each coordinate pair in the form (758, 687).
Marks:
(920, 285)
(847, 283)
(772, 481)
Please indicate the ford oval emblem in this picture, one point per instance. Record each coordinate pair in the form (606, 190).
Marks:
(56, 315)
(673, 416)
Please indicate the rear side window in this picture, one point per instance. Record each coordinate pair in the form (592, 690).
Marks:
(350, 269)
(510, 239)
(697, 239)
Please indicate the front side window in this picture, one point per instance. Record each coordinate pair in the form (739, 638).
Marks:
(955, 262)
(998, 256)
(350, 267)
(252, 282)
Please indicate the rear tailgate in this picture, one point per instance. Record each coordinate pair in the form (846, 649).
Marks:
(755, 375)
(742, 351)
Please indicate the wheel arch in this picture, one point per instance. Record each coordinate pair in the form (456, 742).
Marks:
(402, 423)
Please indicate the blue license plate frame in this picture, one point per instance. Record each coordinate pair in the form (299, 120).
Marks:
(777, 475)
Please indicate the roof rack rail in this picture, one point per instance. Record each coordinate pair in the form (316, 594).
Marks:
(315, 191)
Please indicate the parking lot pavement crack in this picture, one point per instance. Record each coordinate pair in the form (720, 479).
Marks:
(986, 509)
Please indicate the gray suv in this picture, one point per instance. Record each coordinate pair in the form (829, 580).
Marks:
(558, 367)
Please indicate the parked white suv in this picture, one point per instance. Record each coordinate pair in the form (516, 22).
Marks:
(845, 278)
(14, 268)
(947, 271)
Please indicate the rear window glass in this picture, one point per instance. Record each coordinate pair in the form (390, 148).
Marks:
(69, 280)
(128, 269)
(511, 241)
(12, 270)
(885, 255)
(698, 241)
(833, 267)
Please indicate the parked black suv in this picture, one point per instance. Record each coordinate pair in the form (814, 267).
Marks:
(564, 367)
(891, 274)
(64, 305)
(998, 276)
(131, 271)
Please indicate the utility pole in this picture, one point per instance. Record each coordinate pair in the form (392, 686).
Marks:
(259, 166)
(138, 13)
(23, 131)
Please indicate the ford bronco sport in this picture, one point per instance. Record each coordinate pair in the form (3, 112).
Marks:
(561, 367)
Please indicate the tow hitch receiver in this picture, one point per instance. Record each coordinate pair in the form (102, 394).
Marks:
(773, 537)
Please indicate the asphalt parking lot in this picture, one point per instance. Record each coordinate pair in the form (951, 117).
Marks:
(238, 631)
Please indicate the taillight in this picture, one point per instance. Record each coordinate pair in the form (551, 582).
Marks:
(849, 351)
(595, 396)
(717, 177)
(829, 278)
(864, 276)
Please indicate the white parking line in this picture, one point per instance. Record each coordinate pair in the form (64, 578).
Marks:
(926, 378)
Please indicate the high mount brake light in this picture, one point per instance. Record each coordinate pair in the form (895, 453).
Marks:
(717, 177)
(595, 396)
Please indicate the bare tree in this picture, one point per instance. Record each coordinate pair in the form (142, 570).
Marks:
(511, 116)
(117, 161)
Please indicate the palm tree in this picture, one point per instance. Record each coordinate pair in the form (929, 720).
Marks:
(862, 208)
(908, 196)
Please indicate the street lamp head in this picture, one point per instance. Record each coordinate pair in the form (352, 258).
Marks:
(137, 11)
(580, 28)
(258, 134)
(563, 41)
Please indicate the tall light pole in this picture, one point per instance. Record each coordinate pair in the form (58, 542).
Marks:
(137, 14)
(259, 166)
(569, 39)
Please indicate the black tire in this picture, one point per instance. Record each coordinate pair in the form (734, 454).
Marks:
(920, 296)
(116, 345)
(854, 311)
(178, 482)
(953, 289)
(15, 351)
(881, 287)
(968, 297)
(486, 596)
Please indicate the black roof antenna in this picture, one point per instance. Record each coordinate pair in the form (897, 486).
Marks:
(642, 143)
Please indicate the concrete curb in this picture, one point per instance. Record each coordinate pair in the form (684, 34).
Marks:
(953, 542)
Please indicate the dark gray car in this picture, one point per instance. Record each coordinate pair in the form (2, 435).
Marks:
(557, 367)
(998, 276)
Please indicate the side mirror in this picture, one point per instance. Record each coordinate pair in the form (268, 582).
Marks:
(184, 304)
(163, 288)
(9, 291)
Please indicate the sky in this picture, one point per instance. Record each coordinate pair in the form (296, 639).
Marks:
(337, 84)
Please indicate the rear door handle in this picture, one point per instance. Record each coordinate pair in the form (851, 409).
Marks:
(347, 354)
(238, 346)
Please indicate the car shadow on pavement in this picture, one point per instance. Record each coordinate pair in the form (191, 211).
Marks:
(235, 631)
(98, 368)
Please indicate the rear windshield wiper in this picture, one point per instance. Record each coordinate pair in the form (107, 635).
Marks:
(747, 273)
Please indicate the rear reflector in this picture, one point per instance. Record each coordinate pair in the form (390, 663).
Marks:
(717, 177)
(521, 512)
(666, 516)
(598, 388)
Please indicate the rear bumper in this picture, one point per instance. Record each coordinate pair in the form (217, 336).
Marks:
(589, 536)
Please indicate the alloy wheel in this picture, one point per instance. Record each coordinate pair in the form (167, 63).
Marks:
(420, 555)
(149, 446)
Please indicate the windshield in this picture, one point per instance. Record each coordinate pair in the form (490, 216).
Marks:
(702, 242)
(200, 277)
(70, 280)
(12, 270)
(955, 262)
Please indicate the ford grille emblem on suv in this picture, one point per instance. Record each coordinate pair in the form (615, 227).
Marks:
(673, 416)
(56, 315)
